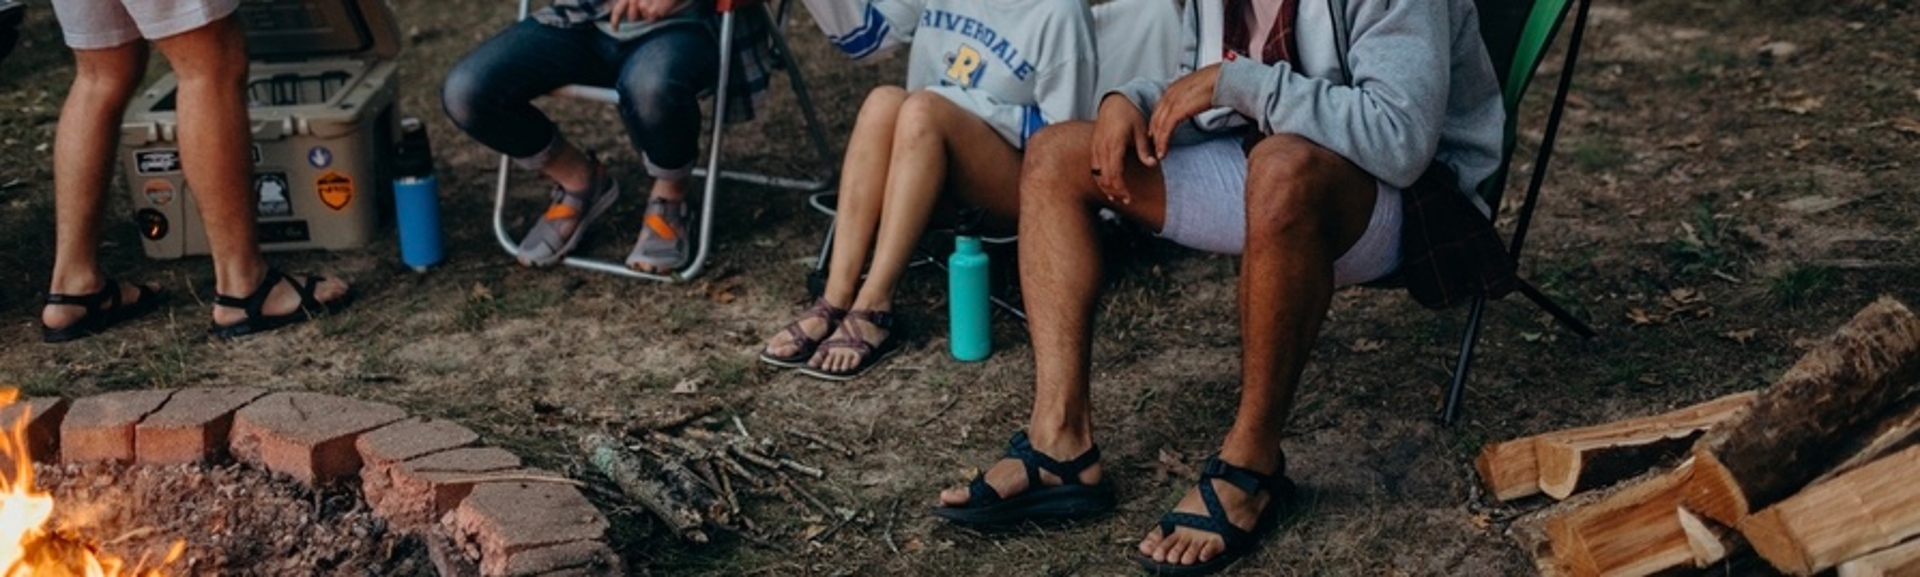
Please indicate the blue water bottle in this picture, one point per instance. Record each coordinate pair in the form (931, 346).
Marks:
(970, 335)
(416, 198)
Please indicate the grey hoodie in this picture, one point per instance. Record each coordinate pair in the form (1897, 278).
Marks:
(1422, 89)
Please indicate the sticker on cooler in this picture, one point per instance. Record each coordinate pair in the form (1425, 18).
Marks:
(336, 190)
(320, 157)
(271, 189)
(158, 161)
(159, 191)
(153, 225)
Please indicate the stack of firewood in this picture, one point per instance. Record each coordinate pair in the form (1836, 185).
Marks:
(1819, 471)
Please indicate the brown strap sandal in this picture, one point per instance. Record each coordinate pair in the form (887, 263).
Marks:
(805, 344)
(856, 340)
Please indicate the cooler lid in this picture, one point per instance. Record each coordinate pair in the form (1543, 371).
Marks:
(284, 30)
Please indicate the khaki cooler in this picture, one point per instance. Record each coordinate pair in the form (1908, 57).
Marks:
(321, 92)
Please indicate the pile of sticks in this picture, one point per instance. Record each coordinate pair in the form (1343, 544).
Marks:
(1819, 471)
(693, 479)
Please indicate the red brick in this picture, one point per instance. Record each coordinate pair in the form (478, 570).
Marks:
(583, 558)
(412, 494)
(307, 436)
(43, 417)
(100, 427)
(506, 519)
(192, 427)
(409, 439)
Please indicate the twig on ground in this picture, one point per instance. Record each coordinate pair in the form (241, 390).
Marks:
(823, 442)
(844, 520)
(893, 512)
(763, 461)
(815, 501)
(742, 426)
(814, 472)
(738, 469)
(951, 401)
(512, 477)
(624, 469)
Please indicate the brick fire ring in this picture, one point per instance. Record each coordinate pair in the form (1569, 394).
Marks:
(478, 509)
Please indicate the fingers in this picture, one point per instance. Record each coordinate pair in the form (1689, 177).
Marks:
(1143, 147)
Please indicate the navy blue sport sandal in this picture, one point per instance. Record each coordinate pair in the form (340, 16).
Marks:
(258, 321)
(105, 308)
(1238, 541)
(1041, 504)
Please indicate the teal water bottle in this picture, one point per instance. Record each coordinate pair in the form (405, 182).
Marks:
(967, 300)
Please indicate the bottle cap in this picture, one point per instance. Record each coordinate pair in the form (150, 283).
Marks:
(968, 221)
(413, 156)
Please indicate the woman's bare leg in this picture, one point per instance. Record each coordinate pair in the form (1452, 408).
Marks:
(863, 180)
(937, 146)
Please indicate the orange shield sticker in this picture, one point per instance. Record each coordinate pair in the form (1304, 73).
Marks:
(336, 190)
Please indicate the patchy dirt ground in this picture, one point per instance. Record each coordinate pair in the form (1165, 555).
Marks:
(1734, 178)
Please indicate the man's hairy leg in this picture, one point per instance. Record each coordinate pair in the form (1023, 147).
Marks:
(1060, 280)
(84, 143)
(211, 63)
(1305, 207)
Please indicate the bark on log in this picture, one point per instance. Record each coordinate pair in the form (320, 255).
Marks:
(1895, 432)
(1901, 560)
(1579, 459)
(1795, 427)
(611, 458)
(1870, 508)
(1508, 470)
(1631, 532)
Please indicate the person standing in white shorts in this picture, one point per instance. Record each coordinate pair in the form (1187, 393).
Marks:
(203, 41)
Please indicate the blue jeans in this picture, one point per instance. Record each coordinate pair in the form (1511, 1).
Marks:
(659, 77)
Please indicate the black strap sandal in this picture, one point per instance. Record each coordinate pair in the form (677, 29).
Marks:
(1072, 500)
(805, 345)
(258, 321)
(870, 353)
(1238, 542)
(104, 310)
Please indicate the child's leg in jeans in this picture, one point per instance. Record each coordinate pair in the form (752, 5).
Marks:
(660, 85)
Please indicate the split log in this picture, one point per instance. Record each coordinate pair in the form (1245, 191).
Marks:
(1587, 457)
(1530, 530)
(612, 459)
(1795, 427)
(1870, 508)
(1631, 532)
(1508, 469)
(1897, 561)
(1710, 542)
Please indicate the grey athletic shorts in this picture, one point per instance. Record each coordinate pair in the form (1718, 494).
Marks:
(1207, 210)
(96, 24)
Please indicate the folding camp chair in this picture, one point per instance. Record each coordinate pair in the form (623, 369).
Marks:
(729, 10)
(1518, 34)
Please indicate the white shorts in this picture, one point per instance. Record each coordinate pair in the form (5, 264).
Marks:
(96, 24)
(1207, 210)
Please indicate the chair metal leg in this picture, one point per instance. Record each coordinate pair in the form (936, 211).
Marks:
(1450, 412)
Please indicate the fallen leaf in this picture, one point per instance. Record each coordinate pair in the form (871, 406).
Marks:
(1906, 124)
(812, 531)
(480, 293)
(1170, 464)
(913, 545)
(1814, 204)
(1803, 106)
(1642, 318)
(1481, 520)
(689, 386)
(1741, 337)
(1685, 296)
(1364, 346)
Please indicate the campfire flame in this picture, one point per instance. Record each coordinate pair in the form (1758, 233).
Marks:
(28, 547)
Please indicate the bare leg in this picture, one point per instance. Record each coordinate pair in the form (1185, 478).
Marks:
(1060, 279)
(862, 190)
(211, 64)
(1305, 207)
(84, 145)
(937, 146)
